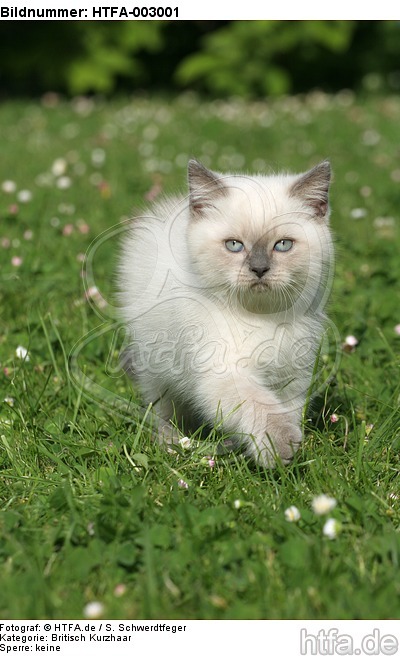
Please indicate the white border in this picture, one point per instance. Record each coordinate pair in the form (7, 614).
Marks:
(205, 10)
(169, 638)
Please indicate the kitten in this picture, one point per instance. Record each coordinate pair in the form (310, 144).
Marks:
(223, 295)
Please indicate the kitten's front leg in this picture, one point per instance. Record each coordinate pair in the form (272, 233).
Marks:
(280, 438)
(265, 426)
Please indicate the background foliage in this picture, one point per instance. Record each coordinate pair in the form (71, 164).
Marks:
(249, 58)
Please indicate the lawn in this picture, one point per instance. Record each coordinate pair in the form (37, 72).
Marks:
(91, 509)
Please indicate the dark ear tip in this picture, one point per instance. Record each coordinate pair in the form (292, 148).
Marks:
(194, 164)
(326, 165)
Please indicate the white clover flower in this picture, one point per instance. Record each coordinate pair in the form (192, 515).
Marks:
(397, 329)
(64, 182)
(358, 213)
(9, 186)
(182, 484)
(292, 514)
(22, 353)
(237, 504)
(24, 196)
(331, 528)
(93, 610)
(350, 344)
(185, 442)
(334, 418)
(59, 167)
(350, 340)
(322, 504)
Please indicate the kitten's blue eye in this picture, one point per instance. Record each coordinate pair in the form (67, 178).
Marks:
(283, 245)
(234, 246)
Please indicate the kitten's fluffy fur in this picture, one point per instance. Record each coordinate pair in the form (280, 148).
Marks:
(230, 335)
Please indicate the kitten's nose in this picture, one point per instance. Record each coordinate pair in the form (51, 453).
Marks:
(259, 261)
(260, 271)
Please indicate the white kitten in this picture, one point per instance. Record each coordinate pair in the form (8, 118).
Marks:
(223, 294)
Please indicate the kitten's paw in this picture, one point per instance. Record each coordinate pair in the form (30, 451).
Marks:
(281, 442)
(168, 434)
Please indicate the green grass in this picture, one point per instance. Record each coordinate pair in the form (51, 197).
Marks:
(91, 509)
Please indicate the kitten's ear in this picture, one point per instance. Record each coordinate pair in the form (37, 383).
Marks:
(204, 187)
(313, 189)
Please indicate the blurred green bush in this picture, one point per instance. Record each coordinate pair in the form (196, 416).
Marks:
(258, 58)
(74, 57)
(219, 58)
(252, 58)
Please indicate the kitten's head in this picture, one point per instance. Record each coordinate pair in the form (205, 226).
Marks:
(262, 240)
